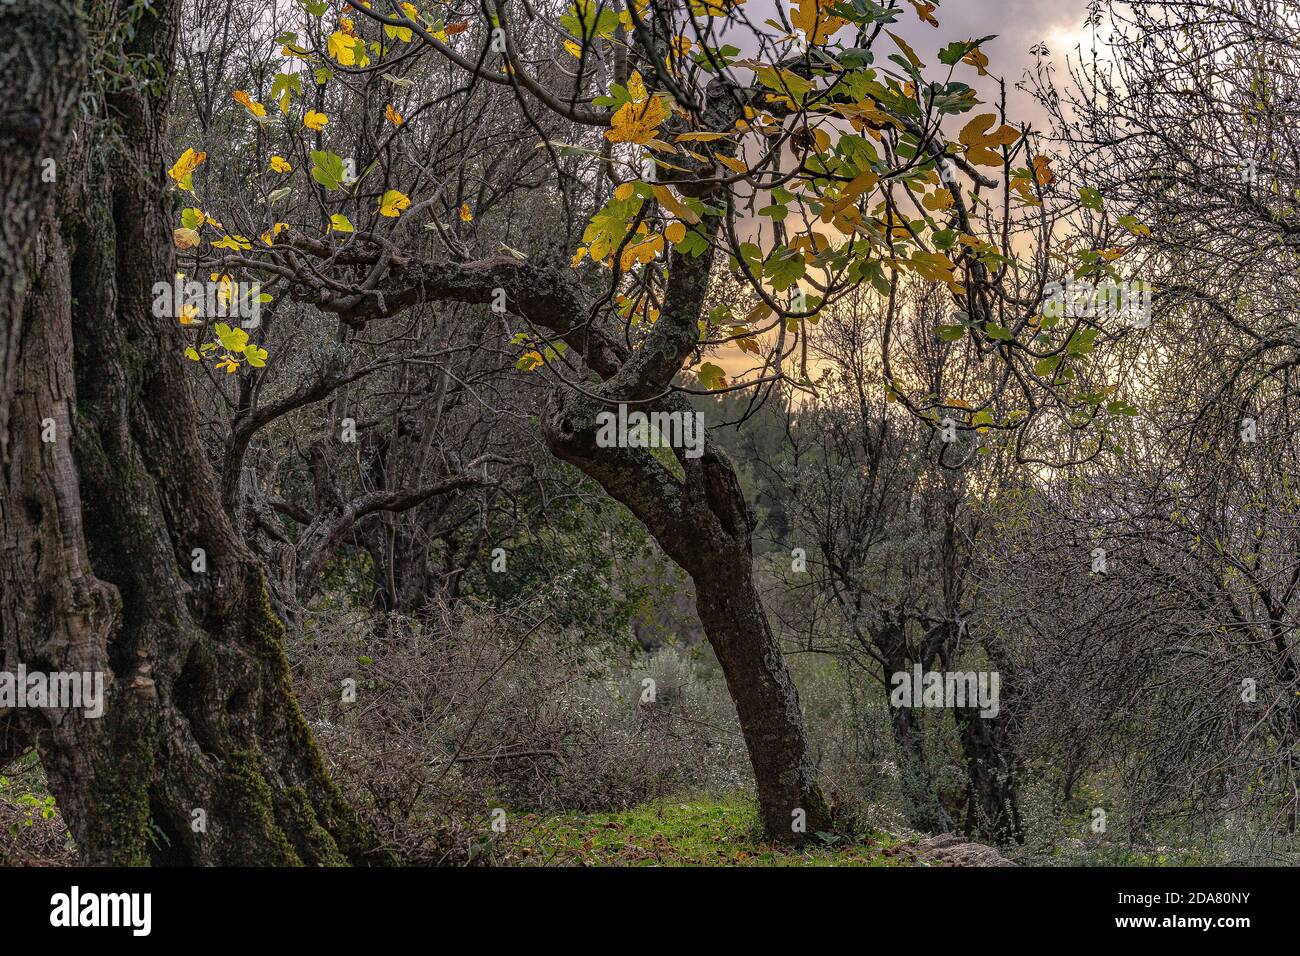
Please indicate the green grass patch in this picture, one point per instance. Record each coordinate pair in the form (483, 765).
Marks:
(677, 832)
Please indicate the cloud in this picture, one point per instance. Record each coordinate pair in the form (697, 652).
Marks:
(1018, 25)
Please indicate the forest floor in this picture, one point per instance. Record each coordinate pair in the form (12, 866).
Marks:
(680, 831)
(708, 832)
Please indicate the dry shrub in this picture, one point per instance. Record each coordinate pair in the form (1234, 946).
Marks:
(467, 710)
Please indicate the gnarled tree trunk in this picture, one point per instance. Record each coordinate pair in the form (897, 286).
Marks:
(201, 755)
(703, 523)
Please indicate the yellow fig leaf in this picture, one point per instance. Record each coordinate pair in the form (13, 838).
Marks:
(231, 339)
(315, 120)
(924, 12)
(237, 243)
(1043, 174)
(184, 168)
(637, 121)
(862, 183)
(247, 102)
(530, 361)
(392, 202)
(674, 205)
(268, 237)
(735, 165)
(937, 201)
(983, 156)
(341, 48)
(978, 60)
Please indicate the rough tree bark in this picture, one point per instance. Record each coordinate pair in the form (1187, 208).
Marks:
(992, 791)
(202, 755)
(46, 64)
(704, 524)
(926, 811)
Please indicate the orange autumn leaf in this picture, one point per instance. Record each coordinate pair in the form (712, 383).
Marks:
(812, 18)
(976, 133)
(924, 12)
(637, 121)
(977, 59)
(1043, 174)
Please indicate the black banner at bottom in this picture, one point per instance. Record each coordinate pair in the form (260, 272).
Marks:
(336, 907)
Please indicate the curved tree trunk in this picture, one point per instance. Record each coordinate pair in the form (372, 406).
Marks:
(201, 755)
(701, 520)
(704, 524)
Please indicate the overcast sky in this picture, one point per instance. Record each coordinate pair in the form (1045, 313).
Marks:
(1019, 25)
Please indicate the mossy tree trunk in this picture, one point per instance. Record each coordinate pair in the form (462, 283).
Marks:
(202, 755)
